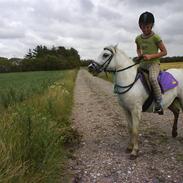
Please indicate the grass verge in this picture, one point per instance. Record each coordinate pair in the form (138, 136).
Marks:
(35, 134)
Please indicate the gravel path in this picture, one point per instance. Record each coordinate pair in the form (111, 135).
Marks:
(101, 156)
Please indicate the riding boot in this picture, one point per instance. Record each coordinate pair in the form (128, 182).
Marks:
(158, 107)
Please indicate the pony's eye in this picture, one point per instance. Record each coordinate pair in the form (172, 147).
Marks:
(105, 55)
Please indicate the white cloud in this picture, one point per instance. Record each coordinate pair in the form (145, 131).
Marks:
(86, 25)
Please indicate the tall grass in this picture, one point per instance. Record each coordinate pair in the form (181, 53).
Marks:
(34, 135)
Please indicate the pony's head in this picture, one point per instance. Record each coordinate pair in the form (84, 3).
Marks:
(104, 62)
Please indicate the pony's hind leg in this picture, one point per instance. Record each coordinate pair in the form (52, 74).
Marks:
(175, 108)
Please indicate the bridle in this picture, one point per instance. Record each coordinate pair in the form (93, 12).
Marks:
(103, 67)
(99, 68)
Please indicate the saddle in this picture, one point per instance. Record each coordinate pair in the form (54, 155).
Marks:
(165, 80)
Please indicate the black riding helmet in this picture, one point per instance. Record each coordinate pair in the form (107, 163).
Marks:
(146, 18)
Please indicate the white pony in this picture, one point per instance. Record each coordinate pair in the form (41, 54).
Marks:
(133, 94)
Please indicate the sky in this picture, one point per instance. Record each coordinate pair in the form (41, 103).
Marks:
(86, 25)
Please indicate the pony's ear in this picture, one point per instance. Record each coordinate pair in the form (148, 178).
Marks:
(115, 47)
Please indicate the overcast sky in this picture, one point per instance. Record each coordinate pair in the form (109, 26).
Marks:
(86, 25)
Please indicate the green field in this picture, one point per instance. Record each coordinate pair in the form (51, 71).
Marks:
(35, 128)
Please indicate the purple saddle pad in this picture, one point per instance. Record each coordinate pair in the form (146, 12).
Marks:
(166, 81)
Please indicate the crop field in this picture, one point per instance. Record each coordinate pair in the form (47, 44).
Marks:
(171, 65)
(16, 87)
(35, 126)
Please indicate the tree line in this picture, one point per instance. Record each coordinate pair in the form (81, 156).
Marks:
(55, 58)
(172, 59)
(42, 58)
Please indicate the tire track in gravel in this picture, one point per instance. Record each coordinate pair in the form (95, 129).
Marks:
(101, 156)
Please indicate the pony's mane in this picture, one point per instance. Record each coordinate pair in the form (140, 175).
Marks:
(123, 53)
(116, 49)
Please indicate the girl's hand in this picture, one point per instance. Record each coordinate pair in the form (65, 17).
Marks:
(147, 57)
(138, 59)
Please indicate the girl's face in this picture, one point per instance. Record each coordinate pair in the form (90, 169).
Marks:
(146, 29)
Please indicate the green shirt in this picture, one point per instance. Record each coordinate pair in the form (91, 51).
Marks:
(148, 45)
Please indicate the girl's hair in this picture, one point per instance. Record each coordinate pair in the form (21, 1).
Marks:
(146, 18)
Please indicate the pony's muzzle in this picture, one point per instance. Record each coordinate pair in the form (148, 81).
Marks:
(94, 68)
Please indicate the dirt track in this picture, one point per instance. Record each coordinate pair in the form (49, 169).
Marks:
(101, 157)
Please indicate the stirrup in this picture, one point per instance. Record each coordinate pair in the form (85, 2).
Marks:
(158, 109)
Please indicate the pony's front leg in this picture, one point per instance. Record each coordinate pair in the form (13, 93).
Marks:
(136, 117)
(129, 122)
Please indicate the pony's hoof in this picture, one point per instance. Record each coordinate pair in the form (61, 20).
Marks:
(128, 150)
(133, 157)
(174, 134)
(134, 154)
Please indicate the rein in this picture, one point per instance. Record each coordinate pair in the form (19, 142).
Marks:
(128, 87)
(126, 67)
